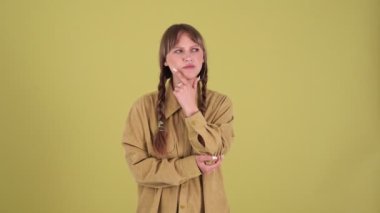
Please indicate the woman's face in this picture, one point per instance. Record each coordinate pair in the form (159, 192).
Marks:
(186, 56)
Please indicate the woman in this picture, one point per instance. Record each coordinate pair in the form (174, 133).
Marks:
(175, 138)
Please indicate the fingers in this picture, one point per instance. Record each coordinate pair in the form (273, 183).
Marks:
(212, 167)
(209, 167)
(183, 80)
(206, 157)
(208, 163)
(195, 83)
(180, 76)
(178, 86)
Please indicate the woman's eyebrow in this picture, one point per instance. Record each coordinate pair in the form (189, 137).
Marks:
(196, 45)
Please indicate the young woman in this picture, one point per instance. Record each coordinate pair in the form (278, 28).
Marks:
(175, 138)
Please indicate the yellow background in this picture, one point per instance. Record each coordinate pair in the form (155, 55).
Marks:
(304, 77)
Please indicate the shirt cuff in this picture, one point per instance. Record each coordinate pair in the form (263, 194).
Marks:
(195, 122)
(189, 167)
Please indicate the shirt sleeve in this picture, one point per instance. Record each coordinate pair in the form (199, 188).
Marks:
(215, 136)
(146, 169)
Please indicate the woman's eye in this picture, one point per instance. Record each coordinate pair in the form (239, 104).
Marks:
(195, 49)
(177, 51)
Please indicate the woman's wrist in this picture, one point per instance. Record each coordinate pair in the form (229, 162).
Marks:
(190, 112)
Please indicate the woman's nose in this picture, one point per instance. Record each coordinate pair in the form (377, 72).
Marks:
(187, 58)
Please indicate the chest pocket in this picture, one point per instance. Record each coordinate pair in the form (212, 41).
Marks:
(178, 144)
(171, 144)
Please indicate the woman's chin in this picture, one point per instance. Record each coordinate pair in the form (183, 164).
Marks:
(190, 76)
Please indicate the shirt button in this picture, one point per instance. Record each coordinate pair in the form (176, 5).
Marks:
(182, 206)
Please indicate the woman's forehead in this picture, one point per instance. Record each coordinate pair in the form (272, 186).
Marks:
(186, 37)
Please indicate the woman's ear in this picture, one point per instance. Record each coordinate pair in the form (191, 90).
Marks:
(166, 64)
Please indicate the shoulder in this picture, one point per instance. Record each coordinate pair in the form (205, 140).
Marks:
(145, 102)
(214, 97)
(217, 101)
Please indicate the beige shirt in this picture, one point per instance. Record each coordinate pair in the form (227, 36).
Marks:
(174, 183)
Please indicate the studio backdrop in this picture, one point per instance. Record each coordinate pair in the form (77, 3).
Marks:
(303, 76)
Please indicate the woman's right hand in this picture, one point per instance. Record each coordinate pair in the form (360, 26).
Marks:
(208, 163)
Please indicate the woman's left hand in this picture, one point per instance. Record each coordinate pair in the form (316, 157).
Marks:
(186, 93)
(208, 163)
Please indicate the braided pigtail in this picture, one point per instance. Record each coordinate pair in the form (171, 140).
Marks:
(159, 142)
(204, 79)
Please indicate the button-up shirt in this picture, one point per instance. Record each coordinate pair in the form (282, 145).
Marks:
(173, 182)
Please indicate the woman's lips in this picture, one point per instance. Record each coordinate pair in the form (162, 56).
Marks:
(189, 66)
